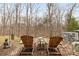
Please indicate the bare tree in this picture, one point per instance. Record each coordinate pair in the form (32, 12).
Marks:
(69, 14)
(3, 21)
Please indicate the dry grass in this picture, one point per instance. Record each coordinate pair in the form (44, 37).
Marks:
(2, 39)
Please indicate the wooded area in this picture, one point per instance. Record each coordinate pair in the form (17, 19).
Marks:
(19, 19)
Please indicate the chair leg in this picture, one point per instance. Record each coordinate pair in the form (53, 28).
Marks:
(32, 53)
(48, 53)
(47, 50)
